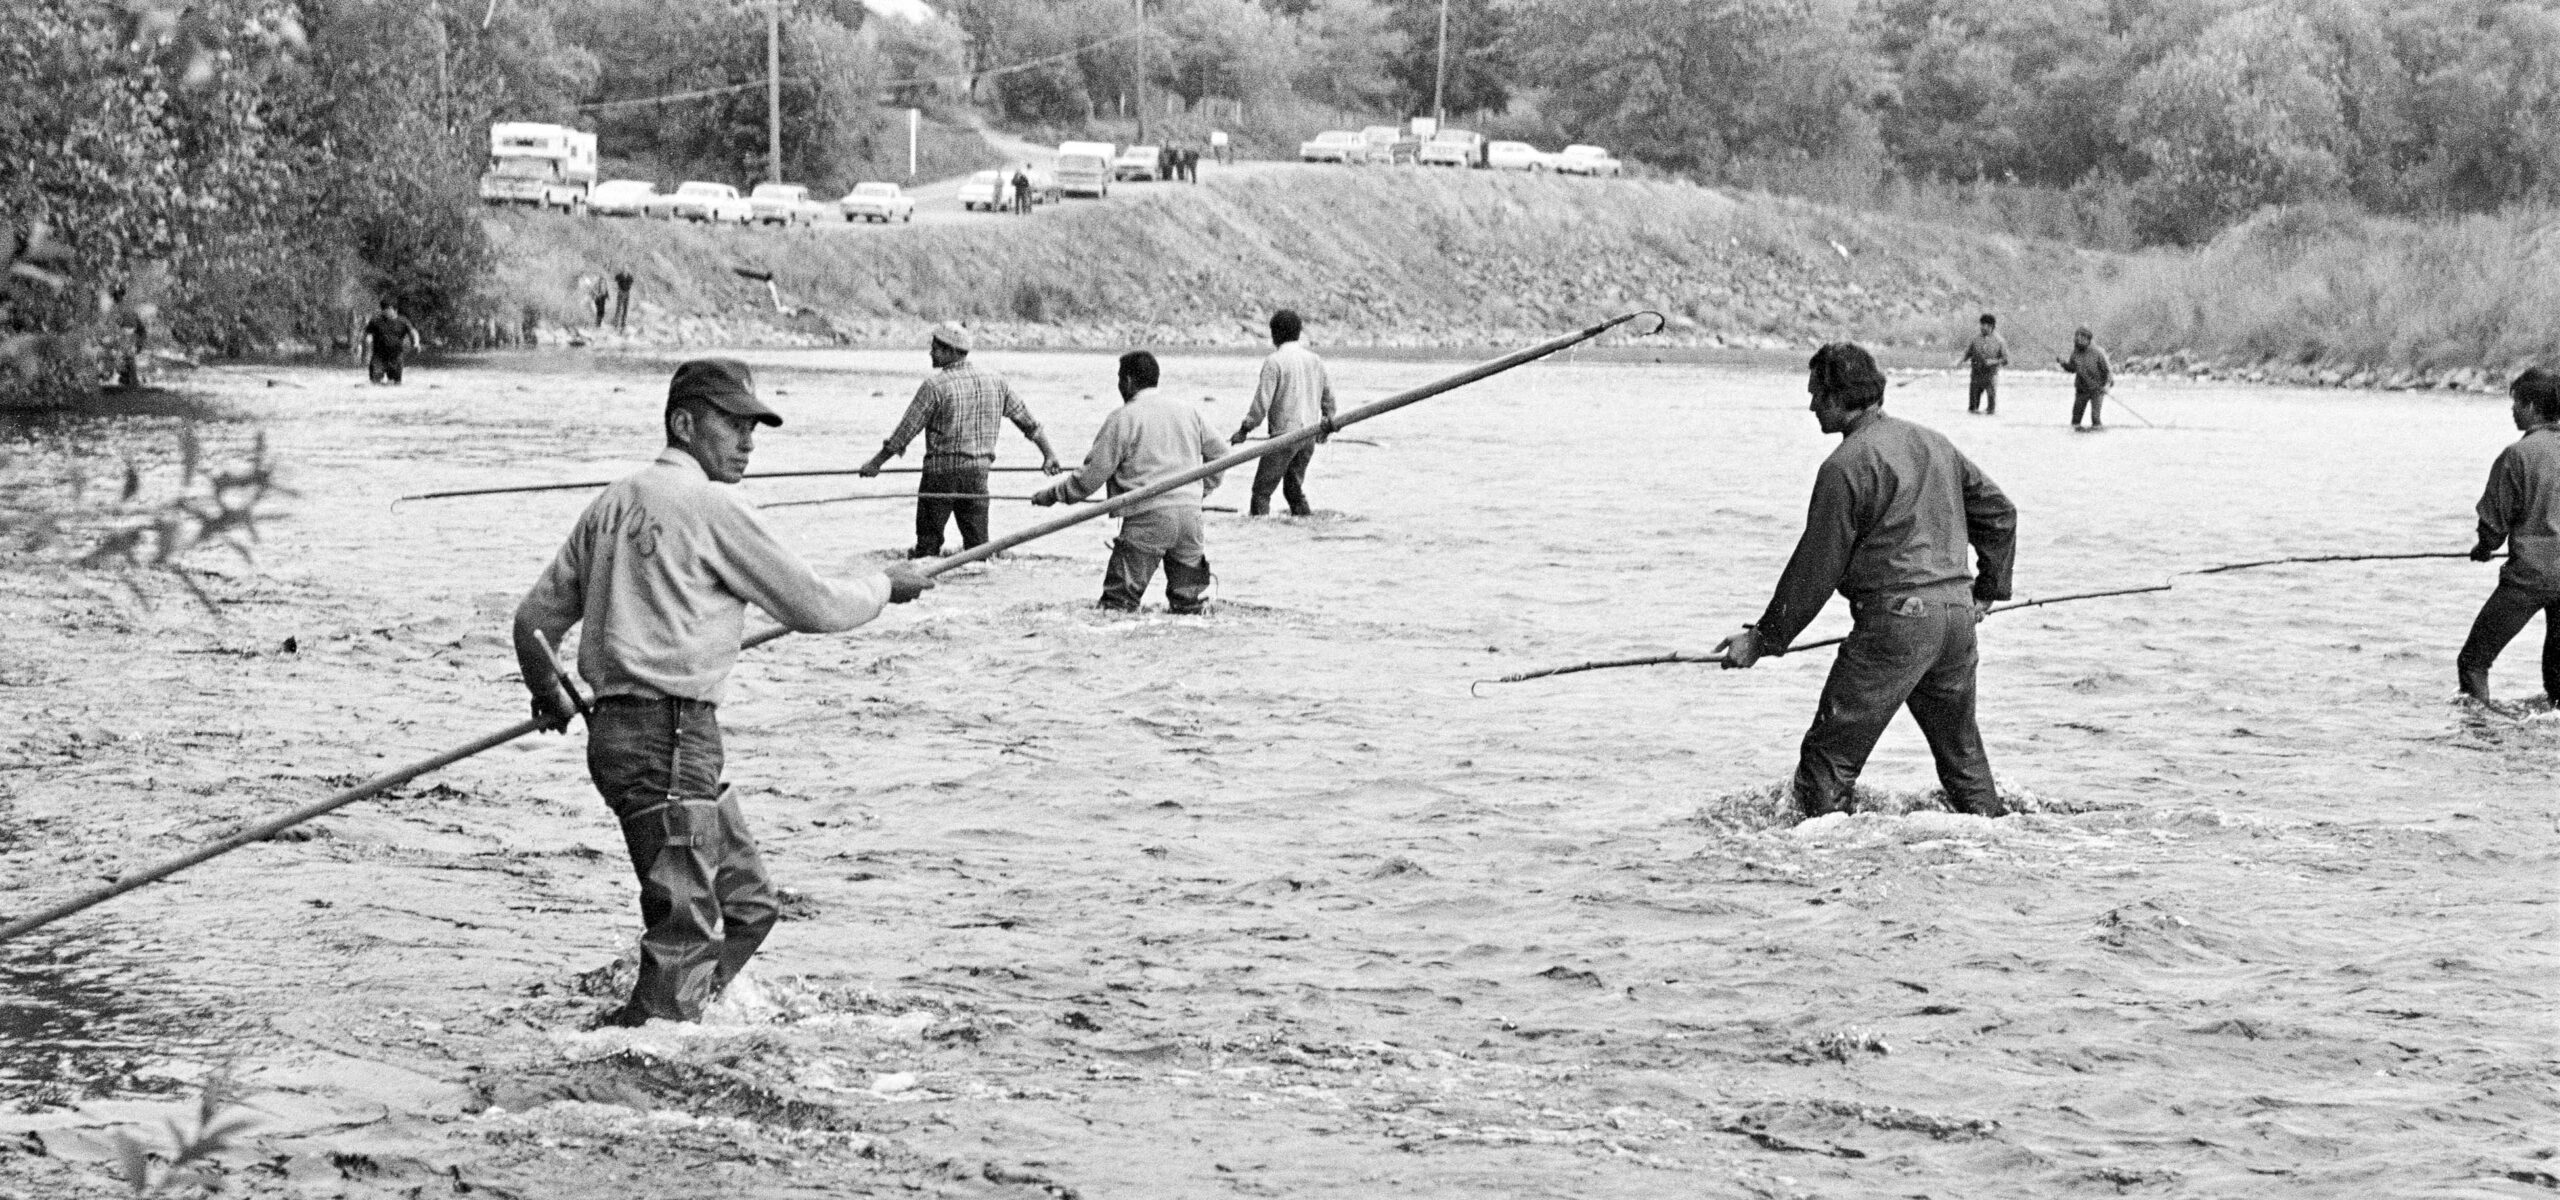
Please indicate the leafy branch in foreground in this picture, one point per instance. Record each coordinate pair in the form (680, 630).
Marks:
(191, 1151)
(156, 536)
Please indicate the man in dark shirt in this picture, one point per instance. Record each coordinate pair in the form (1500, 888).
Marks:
(1893, 509)
(621, 298)
(1022, 191)
(2520, 509)
(386, 336)
(2091, 376)
(1987, 354)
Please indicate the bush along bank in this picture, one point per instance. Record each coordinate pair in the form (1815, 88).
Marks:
(1377, 257)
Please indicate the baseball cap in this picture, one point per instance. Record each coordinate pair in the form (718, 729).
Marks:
(723, 383)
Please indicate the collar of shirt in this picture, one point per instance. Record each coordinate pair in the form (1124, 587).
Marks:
(673, 457)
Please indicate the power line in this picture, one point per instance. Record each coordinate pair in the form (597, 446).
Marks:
(1008, 69)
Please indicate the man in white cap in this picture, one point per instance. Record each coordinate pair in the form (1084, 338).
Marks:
(958, 409)
(661, 569)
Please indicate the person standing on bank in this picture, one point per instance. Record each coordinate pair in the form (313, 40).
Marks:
(1893, 510)
(1151, 437)
(386, 337)
(2520, 509)
(2091, 376)
(1986, 354)
(957, 409)
(661, 568)
(622, 282)
(1292, 394)
(1022, 190)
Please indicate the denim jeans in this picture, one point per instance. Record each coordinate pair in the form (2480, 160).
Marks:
(1171, 535)
(1983, 394)
(1286, 473)
(706, 903)
(1903, 651)
(2093, 402)
(933, 515)
(2503, 617)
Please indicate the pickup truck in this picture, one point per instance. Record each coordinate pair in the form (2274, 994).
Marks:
(1334, 145)
(1084, 169)
(698, 201)
(1452, 148)
(784, 204)
(1138, 162)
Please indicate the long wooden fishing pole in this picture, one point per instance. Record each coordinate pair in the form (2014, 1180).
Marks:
(1083, 513)
(926, 496)
(597, 483)
(1661, 659)
(2331, 558)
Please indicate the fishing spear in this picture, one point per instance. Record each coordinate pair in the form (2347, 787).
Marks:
(2330, 558)
(928, 496)
(597, 483)
(1646, 322)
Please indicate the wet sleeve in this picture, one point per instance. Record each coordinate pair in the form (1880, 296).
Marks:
(1110, 443)
(1821, 558)
(919, 411)
(756, 566)
(1991, 524)
(1018, 412)
(2498, 503)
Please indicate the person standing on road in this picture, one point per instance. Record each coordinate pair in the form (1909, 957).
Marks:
(2091, 376)
(1022, 190)
(2520, 509)
(1893, 509)
(1150, 438)
(621, 298)
(661, 568)
(1292, 394)
(957, 408)
(1986, 354)
(386, 337)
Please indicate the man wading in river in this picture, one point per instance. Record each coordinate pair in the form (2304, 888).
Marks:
(1292, 394)
(957, 409)
(2091, 376)
(1151, 437)
(1893, 509)
(661, 568)
(2521, 510)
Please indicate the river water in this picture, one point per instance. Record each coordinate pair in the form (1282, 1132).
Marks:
(1271, 903)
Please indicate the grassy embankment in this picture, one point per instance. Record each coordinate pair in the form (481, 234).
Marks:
(1382, 257)
(2330, 297)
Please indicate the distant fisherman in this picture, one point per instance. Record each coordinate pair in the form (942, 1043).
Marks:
(1987, 354)
(386, 337)
(661, 569)
(1150, 438)
(2091, 376)
(957, 409)
(2521, 510)
(1292, 394)
(1893, 510)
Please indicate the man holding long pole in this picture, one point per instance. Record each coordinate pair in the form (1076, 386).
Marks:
(2521, 510)
(661, 569)
(1151, 438)
(1893, 510)
(958, 409)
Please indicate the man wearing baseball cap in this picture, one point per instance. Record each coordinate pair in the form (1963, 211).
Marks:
(1894, 508)
(957, 409)
(661, 569)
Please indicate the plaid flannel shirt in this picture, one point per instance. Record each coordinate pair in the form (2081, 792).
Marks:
(958, 409)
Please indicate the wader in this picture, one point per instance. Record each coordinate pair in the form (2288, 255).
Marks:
(1915, 650)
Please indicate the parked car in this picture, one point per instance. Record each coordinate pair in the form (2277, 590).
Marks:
(1517, 156)
(1585, 160)
(1138, 162)
(699, 201)
(991, 191)
(784, 204)
(1044, 186)
(1385, 144)
(1452, 148)
(1084, 169)
(883, 202)
(1334, 145)
(623, 198)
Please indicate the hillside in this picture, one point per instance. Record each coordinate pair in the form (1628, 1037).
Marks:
(1374, 257)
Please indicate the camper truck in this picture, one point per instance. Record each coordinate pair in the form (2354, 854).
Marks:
(553, 166)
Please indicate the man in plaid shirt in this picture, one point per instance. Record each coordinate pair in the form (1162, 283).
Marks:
(957, 409)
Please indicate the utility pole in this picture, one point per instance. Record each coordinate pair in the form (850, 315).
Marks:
(1440, 77)
(1142, 72)
(773, 88)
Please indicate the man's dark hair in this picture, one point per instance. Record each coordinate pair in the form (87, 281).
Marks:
(1991, 320)
(1139, 367)
(1285, 326)
(2540, 389)
(1847, 373)
(386, 302)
